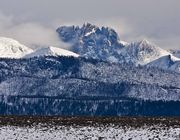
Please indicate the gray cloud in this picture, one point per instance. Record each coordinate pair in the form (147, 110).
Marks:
(158, 20)
(29, 33)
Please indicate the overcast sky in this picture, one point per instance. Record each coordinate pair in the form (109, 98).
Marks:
(35, 21)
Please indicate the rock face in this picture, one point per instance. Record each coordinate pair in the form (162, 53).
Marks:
(142, 52)
(10, 48)
(91, 41)
(103, 43)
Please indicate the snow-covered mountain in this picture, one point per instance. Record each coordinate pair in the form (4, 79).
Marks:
(51, 51)
(103, 43)
(10, 48)
(92, 86)
(91, 41)
(79, 77)
(142, 52)
(146, 53)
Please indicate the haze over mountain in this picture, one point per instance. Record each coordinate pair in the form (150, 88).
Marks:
(10, 48)
(104, 44)
(131, 19)
(101, 43)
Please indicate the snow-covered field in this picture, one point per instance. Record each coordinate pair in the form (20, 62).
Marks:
(88, 132)
(89, 128)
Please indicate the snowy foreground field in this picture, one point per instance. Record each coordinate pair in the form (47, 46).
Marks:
(87, 128)
(88, 132)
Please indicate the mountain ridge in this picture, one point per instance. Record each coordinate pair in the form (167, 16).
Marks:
(51, 51)
(103, 43)
(93, 42)
(10, 48)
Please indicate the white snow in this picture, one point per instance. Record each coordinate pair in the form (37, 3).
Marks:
(10, 48)
(169, 62)
(175, 58)
(176, 53)
(139, 53)
(89, 132)
(124, 43)
(142, 52)
(89, 33)
(51, 51)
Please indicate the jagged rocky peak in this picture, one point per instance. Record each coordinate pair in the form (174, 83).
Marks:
(149, 46)
(67, 33)
(91, 41)
(10, 48)
(89, 28)
(70, 33)
(144, 43)
(142, 52)
(76, 33)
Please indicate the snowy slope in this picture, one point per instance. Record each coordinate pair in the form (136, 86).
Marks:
(124, 43)
(10, 48)
(51, 51)
(108, 132)
(175, 67)
(176, 53)
(104, 43)
(142, 52)
(168, 62)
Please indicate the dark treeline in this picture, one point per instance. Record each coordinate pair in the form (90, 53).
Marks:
(87, 107)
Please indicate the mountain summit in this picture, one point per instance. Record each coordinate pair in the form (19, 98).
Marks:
(51, 51)
(101, 43)
(142, 52)
(104, 43)
(10, 48)
(91, 41)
